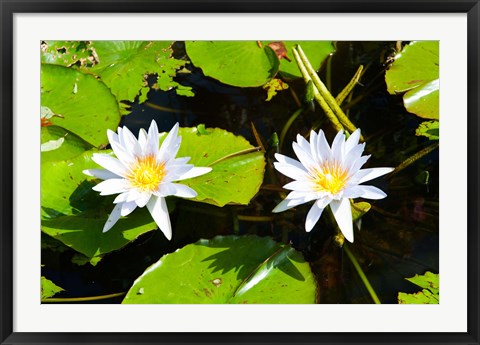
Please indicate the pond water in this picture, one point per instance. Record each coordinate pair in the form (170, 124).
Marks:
(397, 238)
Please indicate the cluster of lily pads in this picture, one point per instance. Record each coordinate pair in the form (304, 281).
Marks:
(86, 89)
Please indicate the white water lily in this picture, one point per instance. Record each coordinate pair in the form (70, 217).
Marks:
(328, 175)
(143, 174)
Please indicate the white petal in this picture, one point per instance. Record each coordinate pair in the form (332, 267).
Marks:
(127, 208)
(338, 146)
(367, 192)
(159, 211)
(110, 163)
(111, 186)
(343, 215)
(170, 145)
(303, 143)
(194, 172)
(352, 141)
(359, 163)
(305, 157)
(289, 161)
(120, 151)
(370, 174)
(323, 149)
(101, 174)
(184, 191)
(301, 186)
(142, 139)
(282, 206)
(133, 194)
(166, 189)
(350, 159)
(130, 142)
(312, 217)
(112, 218)
(180, 161)
(288, 203)
(120, 136)
(151, 148)
(123, 197)
(305, 196)
(143, 199)
(291, 171)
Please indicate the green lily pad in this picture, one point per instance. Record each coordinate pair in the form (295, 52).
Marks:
(430, 293)
(67, 53)
(230, 269)
(429, 129)
(125, 65)
(72, 145)
(235, 177)
(85, 106)
(316, 51)
(49, 288)
(415, 72)
(237, 63)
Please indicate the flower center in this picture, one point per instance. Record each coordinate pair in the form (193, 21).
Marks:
(146, 174)
(330, 177)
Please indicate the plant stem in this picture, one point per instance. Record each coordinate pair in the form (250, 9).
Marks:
(241, 152)
(361, 274)
(288, 124)
(414, 158)
(82, 299)
(349, 87)
(326, 95)
(321, 101)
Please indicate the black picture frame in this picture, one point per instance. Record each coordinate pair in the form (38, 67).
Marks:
(9, 7)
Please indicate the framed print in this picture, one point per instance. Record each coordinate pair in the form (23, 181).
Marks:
(233, 172)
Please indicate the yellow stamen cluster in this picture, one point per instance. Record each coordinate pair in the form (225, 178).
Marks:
(330, 177)
(146, 174)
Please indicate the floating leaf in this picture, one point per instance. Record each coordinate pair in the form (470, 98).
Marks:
(88, 112)
(49, 289)
(429, 294)
(71, 145)
(273, 86)
(429, 129)
(237, 63)
(67, 53)
(230, 269)
(236, 176)
(415, 72)
(124, 66)
(316, 51)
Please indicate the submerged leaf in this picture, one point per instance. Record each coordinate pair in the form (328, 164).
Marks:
(49, 288)
(273, 86)
(429, 129)
(429, 294)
